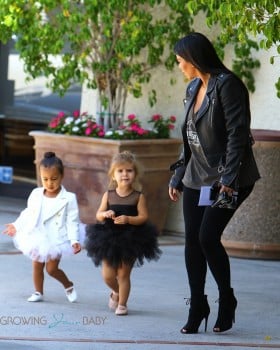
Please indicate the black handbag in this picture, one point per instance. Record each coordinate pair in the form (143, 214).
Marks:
(222, 199)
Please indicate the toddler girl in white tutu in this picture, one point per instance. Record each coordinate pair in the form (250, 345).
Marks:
(48, 227)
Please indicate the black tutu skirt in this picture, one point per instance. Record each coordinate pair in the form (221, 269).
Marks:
(119, 244)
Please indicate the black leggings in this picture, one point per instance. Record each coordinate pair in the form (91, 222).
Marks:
(204, 227)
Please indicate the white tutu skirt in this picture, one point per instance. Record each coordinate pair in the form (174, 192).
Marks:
(41, 246)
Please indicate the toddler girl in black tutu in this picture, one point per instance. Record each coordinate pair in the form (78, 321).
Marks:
(123, 236)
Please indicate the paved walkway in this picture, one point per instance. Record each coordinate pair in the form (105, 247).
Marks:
(156, 305)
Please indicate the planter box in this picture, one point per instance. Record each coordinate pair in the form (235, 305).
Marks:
(87, 162)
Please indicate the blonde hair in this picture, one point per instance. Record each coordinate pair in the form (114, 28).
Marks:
(119, 159)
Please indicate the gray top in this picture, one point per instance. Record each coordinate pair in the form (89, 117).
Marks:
(198, 172)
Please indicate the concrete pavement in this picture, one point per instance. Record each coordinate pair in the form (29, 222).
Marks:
(156, 305)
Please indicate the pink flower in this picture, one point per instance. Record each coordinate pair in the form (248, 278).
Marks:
(61, 115)
(156, 117)
(53, 124)
(141, 131)
(76, 114)
(88, 131)
(85, 124)
(134, 127)
(131, 117)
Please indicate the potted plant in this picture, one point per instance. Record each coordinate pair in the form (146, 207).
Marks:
(87, 149)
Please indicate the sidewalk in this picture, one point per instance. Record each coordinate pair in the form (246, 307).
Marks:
(156, 305)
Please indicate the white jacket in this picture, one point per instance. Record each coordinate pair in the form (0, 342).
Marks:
(62, 221)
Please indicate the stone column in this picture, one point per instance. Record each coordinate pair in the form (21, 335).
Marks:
(254, 231)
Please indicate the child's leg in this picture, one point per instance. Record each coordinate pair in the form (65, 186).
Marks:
(38, 276)
(55, 272)
(109, 275)
(124, 283)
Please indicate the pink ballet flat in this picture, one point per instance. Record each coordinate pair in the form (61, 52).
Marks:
(113, 304)
(121, 310)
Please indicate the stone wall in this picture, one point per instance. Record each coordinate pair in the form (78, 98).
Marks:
(254, 230)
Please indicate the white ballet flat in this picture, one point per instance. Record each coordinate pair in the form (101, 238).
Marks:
(71, 294)
(37, 296)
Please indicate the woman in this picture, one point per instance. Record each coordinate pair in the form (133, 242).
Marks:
(217, 149)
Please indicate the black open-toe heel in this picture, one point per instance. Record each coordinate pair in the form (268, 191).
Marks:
(199, 310)
(226, 313)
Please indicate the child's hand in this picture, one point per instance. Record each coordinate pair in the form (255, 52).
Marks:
(121, 220)
(76, 248)
(109, 214)
(10, 230)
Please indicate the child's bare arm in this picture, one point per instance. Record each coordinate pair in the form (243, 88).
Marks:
(102, 212)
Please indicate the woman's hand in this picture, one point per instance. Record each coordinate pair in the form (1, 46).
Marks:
(174, 194)
(226, 189)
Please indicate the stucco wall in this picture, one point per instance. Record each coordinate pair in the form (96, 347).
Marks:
(265, 105)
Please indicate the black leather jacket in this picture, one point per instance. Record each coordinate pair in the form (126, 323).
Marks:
(223, 128)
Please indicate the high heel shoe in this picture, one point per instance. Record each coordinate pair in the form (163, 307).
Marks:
(226, 313)
(199, 310)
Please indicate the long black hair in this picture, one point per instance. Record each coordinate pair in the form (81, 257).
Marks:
(200, 52)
